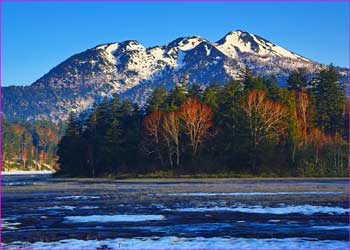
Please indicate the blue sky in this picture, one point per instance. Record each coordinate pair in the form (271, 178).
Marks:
(38, 36)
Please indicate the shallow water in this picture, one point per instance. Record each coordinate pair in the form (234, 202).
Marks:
(40, 212)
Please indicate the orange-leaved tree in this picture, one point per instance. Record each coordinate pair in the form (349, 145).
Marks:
(196, 121)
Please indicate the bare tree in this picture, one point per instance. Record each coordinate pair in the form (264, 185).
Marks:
(170, 133)
(152, 134)
(266, 119)
(303, 101)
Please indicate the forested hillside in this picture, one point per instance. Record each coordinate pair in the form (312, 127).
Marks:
(245, 127)
(29, 146)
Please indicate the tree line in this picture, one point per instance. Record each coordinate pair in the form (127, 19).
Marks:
(244, 127)
(28, 146)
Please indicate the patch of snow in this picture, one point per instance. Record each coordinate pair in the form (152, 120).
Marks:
(232, 43)
(189, 43)
(134, 46)
(57, 208)
(180, 60)
(113, 218)
(173, 242)
(18, 183)
(88, 207)
(285, 53)
(207, 50)
(159, 206)
(235, 42)
(301, 209)
(77, 197)
(332, 227)
(273, 221)
(5, 224)
(26, 172)
(109, 52)
(111, 47)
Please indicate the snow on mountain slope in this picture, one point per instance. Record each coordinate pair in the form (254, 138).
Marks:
(134, 71)
(108, 50)
(241, 41)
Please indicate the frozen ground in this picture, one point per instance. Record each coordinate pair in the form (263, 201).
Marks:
(41, 213)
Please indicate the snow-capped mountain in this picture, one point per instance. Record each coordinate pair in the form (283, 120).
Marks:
(134, 71)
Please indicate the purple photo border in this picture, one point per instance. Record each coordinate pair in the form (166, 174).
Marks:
(348, 88)
(164, 1)
(213, 1)
(0, 124)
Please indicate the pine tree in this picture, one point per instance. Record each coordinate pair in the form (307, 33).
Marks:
(210, 96)
(252, 81)
(195, 91)
(112, 134)
(175, 98)
(298, 80)
(329, 98)
(157, 100)
(272, 89)
(130, 135)
(70, 150)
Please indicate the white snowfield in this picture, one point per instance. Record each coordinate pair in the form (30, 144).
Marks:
(172, 242)
(113, 218)
(26, 172)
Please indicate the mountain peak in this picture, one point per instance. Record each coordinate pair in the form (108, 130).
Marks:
(236, 36)
(105, 46)
(132, 70)
(239, 41)
(185, 43)
(237, 32)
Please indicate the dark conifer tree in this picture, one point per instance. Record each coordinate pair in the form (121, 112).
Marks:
(298, 80)
(329, 100)
(157, 100)
(70, 150)
(196, 91)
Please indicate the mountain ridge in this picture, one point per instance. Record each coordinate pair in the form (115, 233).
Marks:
(134, 71)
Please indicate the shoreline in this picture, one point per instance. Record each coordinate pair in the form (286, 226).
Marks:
(30, 172)
(234, 178)
(212, 179)
(170, 178)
